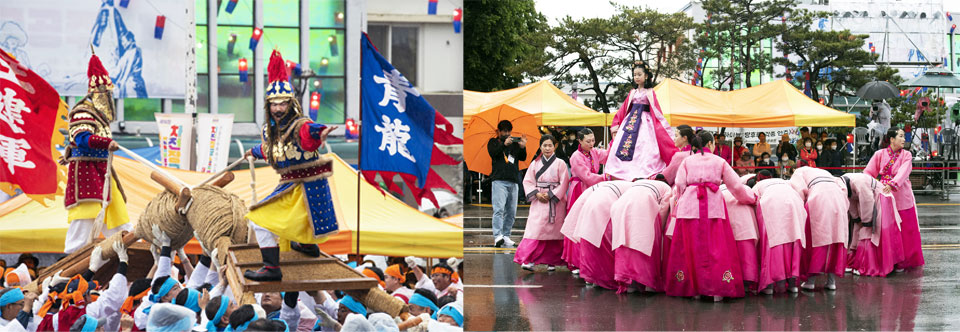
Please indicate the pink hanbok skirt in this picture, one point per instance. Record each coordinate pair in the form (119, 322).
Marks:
(571, 253)
(831, 258)
(539, 252)
(781, 262)
(634, 266)
(597, 264)
(703, 259)
(576, 189)
(910, 232)
(878, 261)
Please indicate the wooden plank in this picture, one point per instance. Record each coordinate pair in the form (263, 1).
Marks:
(308, 285)
(234, 278)
(311, 261)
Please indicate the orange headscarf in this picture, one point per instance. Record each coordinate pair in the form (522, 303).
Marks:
(371, 274)
(128, 303)
(394, 271)
(51, 298)
(75, 297)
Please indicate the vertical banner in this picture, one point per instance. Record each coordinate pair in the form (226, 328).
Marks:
(213, 141)
(176, 139)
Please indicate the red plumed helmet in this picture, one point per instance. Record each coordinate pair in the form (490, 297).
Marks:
(97, 75)
(278, 86)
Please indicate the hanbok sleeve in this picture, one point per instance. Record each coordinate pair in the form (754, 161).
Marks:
(581, 169)
(867, 199)
(799, 183)
(902, 173)
(530, 181)
(873, 166)
(742, 193)
(560, 191)
(602, 154)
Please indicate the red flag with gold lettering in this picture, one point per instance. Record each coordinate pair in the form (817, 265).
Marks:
(31, 116)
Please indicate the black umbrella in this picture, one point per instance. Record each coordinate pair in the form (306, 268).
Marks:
(878, 90)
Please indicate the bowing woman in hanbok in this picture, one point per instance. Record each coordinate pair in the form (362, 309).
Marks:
(546, 185)
(585, 166)
(703, 257)
(876, 240)
(825, 198)
(637, 222)
(892, 166)
(642, 145)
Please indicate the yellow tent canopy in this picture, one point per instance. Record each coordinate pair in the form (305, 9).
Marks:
(769, 105)
(549, 105)
(388, 226)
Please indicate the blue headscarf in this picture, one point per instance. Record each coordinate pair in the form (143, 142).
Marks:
(11, 296)
(155, 298)
(353, 305)
(212, 324)
(422, 301)
(90, 324)
(192, 300)
(453, 312)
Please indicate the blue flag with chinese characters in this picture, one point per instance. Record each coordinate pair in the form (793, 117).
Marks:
(396, 133)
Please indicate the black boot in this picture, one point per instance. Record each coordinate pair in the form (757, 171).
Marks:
(308, 249)
(271, 266)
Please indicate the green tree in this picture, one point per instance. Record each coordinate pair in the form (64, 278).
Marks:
(839, 51)
(504, 43)
(601, 51)
(735, 30)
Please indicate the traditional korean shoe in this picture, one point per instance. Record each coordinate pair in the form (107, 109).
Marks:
(856, 272)
(808, 285)
(717, 298)
(528, 266)
(899, 270)
(831, 282)
(649, 289)
(793, 289)
(271, 266)
(308, 249)
(576, 273)
(551, 268)
(768, 290)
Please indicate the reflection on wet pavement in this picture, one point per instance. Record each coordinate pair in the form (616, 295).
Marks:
(500, 296)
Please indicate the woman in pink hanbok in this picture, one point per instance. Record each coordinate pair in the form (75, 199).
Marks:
(643, 140)
(703, 256)
(638, 219)
(685, 135)
(825, 197)
(892, 166)
(877, 243)
(743, 222)
(546, 184)
(781, 217)
(594, 233)
(585, 166)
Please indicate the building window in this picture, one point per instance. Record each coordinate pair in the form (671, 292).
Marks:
(327, 60)
(399, 44)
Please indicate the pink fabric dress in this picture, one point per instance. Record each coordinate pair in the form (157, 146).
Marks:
(894, 168)
(670, 173)
(781, 217)
(637, 220)
(594, 233)
(703, 256)
(542, 242)
(743, 222)
(825, 198)
(585, 168)
(880, 247)
(644, 142)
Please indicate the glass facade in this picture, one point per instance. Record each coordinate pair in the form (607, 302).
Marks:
(281, 31)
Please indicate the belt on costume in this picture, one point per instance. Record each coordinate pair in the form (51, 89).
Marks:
(89, 153)
(702, 188)
(822, 179)
(306, 172)
(547, 184)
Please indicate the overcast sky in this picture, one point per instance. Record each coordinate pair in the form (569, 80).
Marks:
(556, 9)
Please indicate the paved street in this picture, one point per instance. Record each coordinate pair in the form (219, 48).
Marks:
(501, 296)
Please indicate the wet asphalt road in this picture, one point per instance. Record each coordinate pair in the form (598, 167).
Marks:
(500, 296)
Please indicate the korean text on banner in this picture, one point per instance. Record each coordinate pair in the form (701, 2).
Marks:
(213, 141)
(398, 133)
(176, 139)
(31, 115)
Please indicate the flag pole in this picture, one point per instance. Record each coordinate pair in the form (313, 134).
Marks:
(359, 153)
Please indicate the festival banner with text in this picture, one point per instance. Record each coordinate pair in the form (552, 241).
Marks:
(176, 139)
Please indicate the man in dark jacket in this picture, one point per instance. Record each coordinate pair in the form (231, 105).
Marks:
(506, 152)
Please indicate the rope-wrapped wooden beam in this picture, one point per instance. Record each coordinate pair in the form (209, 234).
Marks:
(79, 261)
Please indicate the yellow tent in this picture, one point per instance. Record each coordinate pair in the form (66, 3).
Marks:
(549, 105)
(770, 105)
(388, 226)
